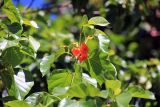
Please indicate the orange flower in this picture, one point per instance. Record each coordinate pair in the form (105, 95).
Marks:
(75, 51)
(81, 52)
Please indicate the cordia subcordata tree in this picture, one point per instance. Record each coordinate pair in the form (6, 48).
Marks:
(77, 71)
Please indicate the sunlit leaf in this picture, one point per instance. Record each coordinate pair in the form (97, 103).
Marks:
(73, 103)
(123, 100)
(31, 23)
(103, 43)
(34, 43)
(59, 80)
(98, 20)
(42, 98)
(23, 85)
(47, 61)
(114, 85)
(11, 11)
(17, 103)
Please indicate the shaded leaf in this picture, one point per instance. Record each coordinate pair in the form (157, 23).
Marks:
(14, 27)
(136, 91)
(8, 80)
(109, 70)
(12, 56)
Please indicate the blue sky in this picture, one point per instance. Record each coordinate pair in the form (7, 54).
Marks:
(36, 4)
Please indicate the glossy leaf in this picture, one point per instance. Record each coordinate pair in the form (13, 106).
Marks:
(23, 85)
(98, 20)
(40, 98)
(88, 79)
(31, 23)
(4, 44)
(47, 61)
(73, 103)
(34, 43)
(103, 43)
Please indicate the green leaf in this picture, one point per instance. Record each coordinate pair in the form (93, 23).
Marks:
(99, 32)
(114, 85)
(94, 67)
(84, 20)
(8, 80)
(41, 98)
(12, 56)
(98, 20)
(88, 79)
(73, 103)
(22, 83)
(58, 91)
(27, 50)
(12, 12)
(46, 64)
(92, 44)
(19, 85)
(47, 61)
(34, 43)
(109, 71)
(63, 79)
(17, 103)
(95, 63)
(123, 99)
(4, 44)
(82, 91)
(14, 27)
(31, 23)
(140, 93)
(103, 43)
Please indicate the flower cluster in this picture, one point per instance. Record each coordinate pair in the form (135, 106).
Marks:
(81, 52)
